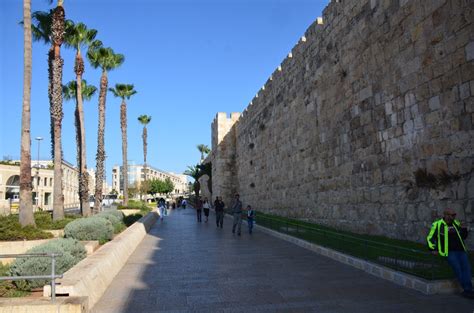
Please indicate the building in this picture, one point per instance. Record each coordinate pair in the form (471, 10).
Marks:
(42, 174)
(136, 175)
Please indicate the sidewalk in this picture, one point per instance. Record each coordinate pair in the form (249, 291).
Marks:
(185, 266)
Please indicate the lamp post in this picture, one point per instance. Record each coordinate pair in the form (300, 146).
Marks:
(38, 139)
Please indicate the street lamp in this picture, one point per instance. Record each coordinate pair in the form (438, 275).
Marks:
(37, 171)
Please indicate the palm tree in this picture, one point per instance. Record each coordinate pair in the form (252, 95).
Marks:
(70, 92)
(26, 207)
(107, 60)
(195, 173)
(144, 120)
(57, 31)
(78, 36)
(204, 149)
(124, 91)
(42, 32)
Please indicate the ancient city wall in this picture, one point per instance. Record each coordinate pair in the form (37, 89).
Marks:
(367, 125)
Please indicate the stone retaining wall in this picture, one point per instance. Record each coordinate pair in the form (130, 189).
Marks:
(366, 126)
(91, 277)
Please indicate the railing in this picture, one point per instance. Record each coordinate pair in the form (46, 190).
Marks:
(53, 275)
(413, 261)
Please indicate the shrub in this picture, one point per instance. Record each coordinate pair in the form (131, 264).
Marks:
(112, 218)
(130, 219)
(116, 213)
(10, 229)
(72, 252)
(91, 228)
(44, 221)
(137, 205)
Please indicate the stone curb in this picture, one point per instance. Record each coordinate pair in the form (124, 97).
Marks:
(91, 277)
(403, 279)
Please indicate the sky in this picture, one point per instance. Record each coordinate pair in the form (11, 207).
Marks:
(187, 60)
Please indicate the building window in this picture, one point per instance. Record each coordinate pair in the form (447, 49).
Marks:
(51, 182)
(47, 198)
(45, 182)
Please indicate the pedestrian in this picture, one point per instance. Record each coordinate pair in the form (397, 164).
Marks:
(206, 207)
(219, 207)
(183, 203)
(237, 212)
(161, 208)
(199, 209)
(250, 218)
(446, 238)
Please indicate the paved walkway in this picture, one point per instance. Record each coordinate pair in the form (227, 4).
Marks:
(183, 266)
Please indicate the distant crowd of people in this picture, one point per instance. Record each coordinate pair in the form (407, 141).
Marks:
(203, 204)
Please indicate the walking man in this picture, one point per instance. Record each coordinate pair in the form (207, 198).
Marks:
(219, 207)
(237, 212)
(446, 238)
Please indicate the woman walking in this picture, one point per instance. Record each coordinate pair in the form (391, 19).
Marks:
(199, 209)
(206, 206)
(161, 208)
(250, 218)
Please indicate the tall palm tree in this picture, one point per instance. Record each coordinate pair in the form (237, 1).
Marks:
(79, 36)
(107, 60)
(144, 120)
(204, 149)
(26, 206)
(124, 91)
(57, 31)
(42, 31)
(70, 92)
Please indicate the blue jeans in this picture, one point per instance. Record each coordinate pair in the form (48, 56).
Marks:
(459, 262)
(250, 224)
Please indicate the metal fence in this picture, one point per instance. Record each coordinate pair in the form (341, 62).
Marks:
(52, 277)
(413, 261)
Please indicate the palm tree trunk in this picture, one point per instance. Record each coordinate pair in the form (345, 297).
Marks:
(50, 96)
(100, 156)
(81, 140)
(26, 207)
(123, 126)
(57, 111)
(144, 137)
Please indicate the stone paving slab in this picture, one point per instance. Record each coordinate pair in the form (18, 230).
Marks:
(185, 266)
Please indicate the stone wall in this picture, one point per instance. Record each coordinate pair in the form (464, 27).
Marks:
(367, 125)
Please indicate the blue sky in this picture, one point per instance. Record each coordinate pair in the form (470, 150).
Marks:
(187, 59)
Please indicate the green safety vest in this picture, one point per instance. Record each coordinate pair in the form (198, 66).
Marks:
(439, 236)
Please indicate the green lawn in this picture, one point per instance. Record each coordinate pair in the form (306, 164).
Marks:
(401, 255)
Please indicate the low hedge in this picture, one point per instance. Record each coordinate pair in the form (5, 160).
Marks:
(117, 223)
(44, 220)
(91, 228)
(130, 219)
(134, 205)
(116, 213)
(11, 230)
(72, 253)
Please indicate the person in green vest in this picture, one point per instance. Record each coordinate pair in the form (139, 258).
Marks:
(446, 238)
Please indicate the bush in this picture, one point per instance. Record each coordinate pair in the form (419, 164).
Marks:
(91, 228)
(112, 218)
(44, 221)
(10, 229)
(116, 213)
(136, 205)
(130, 219)
(72, 253)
